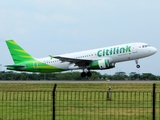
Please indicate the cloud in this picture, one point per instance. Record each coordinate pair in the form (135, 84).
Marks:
(55, 18)
(13, 22)
(20, 30)
(68, 5)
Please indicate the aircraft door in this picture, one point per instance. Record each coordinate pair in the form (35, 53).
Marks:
(35, 64)
(134, 48)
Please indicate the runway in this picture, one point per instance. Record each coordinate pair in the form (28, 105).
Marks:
(67, 81)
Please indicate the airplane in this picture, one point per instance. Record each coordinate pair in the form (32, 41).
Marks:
(95, 59)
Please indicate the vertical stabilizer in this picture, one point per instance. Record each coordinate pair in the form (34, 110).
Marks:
(18, 54)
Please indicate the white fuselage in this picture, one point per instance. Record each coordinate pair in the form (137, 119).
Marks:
(119, 53)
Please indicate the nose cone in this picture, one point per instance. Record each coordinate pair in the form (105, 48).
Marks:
(153, 50)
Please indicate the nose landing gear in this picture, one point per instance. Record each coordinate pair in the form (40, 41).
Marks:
(137, 65)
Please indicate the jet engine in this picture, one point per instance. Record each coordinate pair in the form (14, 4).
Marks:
(101, 64)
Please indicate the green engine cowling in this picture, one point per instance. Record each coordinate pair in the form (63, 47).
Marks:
(101, 64)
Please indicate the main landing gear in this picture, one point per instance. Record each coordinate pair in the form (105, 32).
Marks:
(137, 65)
(84, 74)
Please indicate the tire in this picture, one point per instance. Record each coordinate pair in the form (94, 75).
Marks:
(83, 74)
(138, 66)
(89, 74)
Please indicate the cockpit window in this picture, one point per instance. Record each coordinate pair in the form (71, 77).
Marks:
(144, 46)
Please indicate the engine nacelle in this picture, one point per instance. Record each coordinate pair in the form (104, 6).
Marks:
(101, 64)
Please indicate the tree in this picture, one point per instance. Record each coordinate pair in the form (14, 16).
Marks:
(10, 75)
(134, 76)
(120, 73)
(148, 76)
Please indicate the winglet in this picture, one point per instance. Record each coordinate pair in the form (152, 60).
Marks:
(51, 57)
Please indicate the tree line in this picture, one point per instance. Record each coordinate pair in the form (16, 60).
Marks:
(10, 75)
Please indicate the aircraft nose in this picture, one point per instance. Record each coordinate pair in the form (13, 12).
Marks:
(154, 50)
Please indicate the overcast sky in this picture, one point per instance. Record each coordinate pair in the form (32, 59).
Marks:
(51, 27)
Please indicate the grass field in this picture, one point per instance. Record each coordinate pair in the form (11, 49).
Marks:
(79, 86)
(78, 101)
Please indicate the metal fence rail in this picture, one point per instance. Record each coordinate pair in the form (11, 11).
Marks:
(79, 105)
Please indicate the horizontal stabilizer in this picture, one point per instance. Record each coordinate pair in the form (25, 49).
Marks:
(16, 66)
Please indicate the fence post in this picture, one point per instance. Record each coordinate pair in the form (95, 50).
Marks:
(53, 102)
(154, 102)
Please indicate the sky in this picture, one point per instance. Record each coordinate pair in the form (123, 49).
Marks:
(51, 27)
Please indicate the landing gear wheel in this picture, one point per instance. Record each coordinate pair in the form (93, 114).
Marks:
(83, 74)
(89, 74)
(138, 66)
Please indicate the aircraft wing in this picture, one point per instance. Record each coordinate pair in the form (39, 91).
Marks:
(79, 62)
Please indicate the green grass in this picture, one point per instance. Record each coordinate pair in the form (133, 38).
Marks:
(77, 102)
(79, 86)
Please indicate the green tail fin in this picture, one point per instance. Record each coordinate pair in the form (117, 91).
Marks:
(18, 54)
